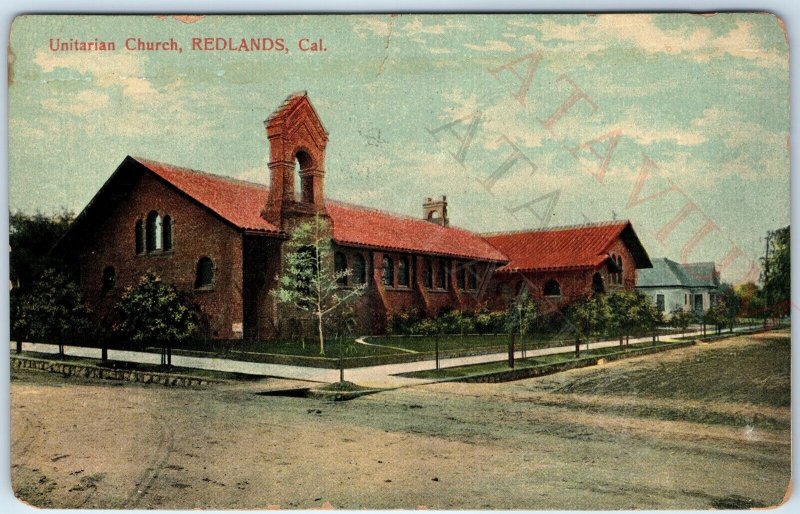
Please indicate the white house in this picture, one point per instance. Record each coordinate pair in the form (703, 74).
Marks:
(672, 285)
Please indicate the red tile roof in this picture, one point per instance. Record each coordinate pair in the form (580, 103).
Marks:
(236, 201)
(240, 203)
(561, 248)
(377, 229)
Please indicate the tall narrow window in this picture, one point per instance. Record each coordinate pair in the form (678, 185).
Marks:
(552, 288)
(472, 278)
(619, 265)
(597, 284)
(660, 303)
(444, 271)
(167, 233)
(340, 265)
(428, 274)
(205, 274)
(109, 279)
(154, 241)
(359, 270)
(140, 237)
(462, 278)
(387, 272)
(402, 272)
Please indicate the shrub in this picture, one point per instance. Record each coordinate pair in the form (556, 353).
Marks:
(154, 313)
(51, 311)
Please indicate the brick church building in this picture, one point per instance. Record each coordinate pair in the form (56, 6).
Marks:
(221, 239)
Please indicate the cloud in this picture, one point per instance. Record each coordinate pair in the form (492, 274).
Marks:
(492, 45)
(639, 31)
(109, 69)
(78, 104)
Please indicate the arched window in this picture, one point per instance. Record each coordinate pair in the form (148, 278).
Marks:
(552, 288)
(598, 287)
(387, 272)
(303, 162)
(340, 265)
(428, 274)
(167, 233)
(619, 265)
(109, 279)
(359, 270)
(472, 278)
(614, 273)
(139, 237)
(402, 272)
(444, 271)
(205, 273)
(154, 241)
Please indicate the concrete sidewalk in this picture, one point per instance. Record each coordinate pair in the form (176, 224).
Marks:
(374, 376)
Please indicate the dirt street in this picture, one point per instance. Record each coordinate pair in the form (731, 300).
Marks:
(707, 426)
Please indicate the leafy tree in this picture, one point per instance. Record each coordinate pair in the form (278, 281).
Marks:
(681, 319)
(750, 300)
(522, 316)
(777, 278)
(155, 313)
(51, 310)
(717, 315)
(309, 281)
(623, 319)
(31, 238)
(731, 304)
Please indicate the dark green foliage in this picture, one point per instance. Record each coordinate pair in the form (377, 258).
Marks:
(31, 238)
(50, 310)
(777, 277)
(154, 313)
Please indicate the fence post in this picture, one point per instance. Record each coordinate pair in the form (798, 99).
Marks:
(577, 347)
(511, 350)
(341, 361)
(436, 342)
(19, 345)
(104, 353)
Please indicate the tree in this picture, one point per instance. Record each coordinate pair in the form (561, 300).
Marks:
(750, 300)
(777, 279)
(680, 318)
(625, 318)
(51, 310)
(309, 281)
(30, 238)
(731, 304)
(155, 313)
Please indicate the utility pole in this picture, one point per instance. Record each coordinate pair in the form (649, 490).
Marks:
(766, 275)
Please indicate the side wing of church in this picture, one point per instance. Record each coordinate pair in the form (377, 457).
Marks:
(221, 240)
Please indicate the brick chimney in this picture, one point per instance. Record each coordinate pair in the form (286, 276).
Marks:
(435, 211)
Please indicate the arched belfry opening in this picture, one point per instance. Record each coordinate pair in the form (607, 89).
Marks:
(303, 165)
(297, 141)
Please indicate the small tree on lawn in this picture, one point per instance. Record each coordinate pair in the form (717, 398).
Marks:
(623, 306)
(50, 311)
(681, 319)
(152, 312)
(521, 318)
(309, 281)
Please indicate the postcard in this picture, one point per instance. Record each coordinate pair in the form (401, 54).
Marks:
(508, 261)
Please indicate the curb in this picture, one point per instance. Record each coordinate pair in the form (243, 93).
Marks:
(88, 371)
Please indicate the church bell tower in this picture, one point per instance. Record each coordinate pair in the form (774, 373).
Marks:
(297, 141)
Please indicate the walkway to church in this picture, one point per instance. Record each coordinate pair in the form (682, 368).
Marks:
(374, 376)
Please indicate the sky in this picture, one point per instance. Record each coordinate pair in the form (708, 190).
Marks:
(677, 122)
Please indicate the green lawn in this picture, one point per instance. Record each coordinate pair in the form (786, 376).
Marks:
(542, 360)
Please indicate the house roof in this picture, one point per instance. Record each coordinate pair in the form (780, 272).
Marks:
(668, 273)
(566, 248)
(241, 203)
